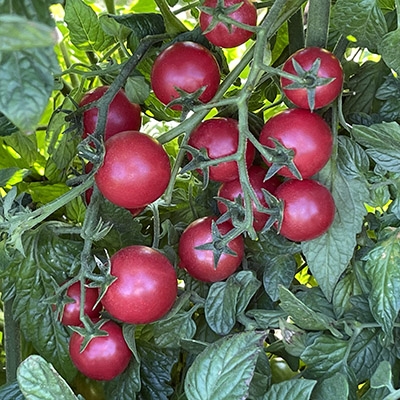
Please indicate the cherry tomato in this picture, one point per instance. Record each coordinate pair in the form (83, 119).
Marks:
(309, 209)
(145, 288)
(88, 388)
(330, 67)
(187, 66)
(231, 190)
(200, 263)
(280, 370)
(135, 171)
(220, 137)
(122, 114)
(70, 315)
(105, 357)
(226, 36)
(306, 133)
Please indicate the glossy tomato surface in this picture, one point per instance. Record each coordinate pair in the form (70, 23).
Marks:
(145, 288)
(200, 263)
(70, 315)
(105, 357)
(226, 36)
(330, 67)
(233, 189)
(220, 137)
(135, 172)
(306, 133)
(122, 114)
(309, 209)
(188, 66)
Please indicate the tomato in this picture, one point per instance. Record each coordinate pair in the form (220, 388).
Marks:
(306, 133)
(70, 315)
(145, 288)
(122, 114)
(105, 357)
(231, 190)
(187, 66)
(309, 209)
(280, 370)
(229, 36)
(325, 92)
(88, 388)
(200, 263)
(220, 137)
(135, 171)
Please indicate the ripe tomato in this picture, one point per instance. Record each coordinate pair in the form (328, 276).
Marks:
(187, 66)
(70, 314)
(306, 133)
(135, 172)
(122, 114)
(146, 285)
(200, 263)
(309, 209)
(222, 35)
(220, 137)
(330, 67)
(231, 190)
(104, 357)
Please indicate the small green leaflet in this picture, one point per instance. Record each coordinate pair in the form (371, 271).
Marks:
(39, 380)
(332, 388)
(291, 390)
(223, 371)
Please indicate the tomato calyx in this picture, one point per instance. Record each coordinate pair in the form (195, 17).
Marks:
(279, 157)
(275, 211)
(218, 245)
(186, 100)
(90, 331)
(199, 157)
(309, 80)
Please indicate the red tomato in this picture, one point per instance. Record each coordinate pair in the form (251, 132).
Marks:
(309, 209)
(188, 66)
(330, 67)
(122, 114)
(146, 285)
(105, 357)
(70, 314)
(229, 36)
(200, 263)
(231, 190)
(306, 133)
(135, 172)
(220, 137)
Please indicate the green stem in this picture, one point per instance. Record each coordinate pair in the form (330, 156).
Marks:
(173, 24)
(318, 23)
(12, 342)
(67, 60)
(110, 5)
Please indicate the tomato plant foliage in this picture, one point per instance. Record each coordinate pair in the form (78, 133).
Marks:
(293, 317)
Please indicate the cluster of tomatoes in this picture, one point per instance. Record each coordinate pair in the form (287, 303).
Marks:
(184, 73)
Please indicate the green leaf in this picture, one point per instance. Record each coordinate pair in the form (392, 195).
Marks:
(137, 89)
(363, 20)
(47, 255)
(27, 83)
(382, 269)
(85, 29)
(25, 145)
(291, 390)
(382, 377)
(225, 368)
(39, 380)
(303, 316)
(335, 387)
(328, 255)
(19, 33)
(6, 174)
(387, 48)
(382, 143)
(11, 391)
(249, 285)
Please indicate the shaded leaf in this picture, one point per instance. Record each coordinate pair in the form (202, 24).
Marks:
(291, 390)
(388, 49)
(332, 388)
(11, 391)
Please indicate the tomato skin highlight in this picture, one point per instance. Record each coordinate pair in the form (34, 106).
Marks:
(188, 66)
(220, 137)
(135, 171)
(221, 35)
(122, 114)
(146, 285)
(105, 357)
(309, 209)
(231, 190)
(306, 133)
(330, 67)
(71, 311)
(200, 263)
